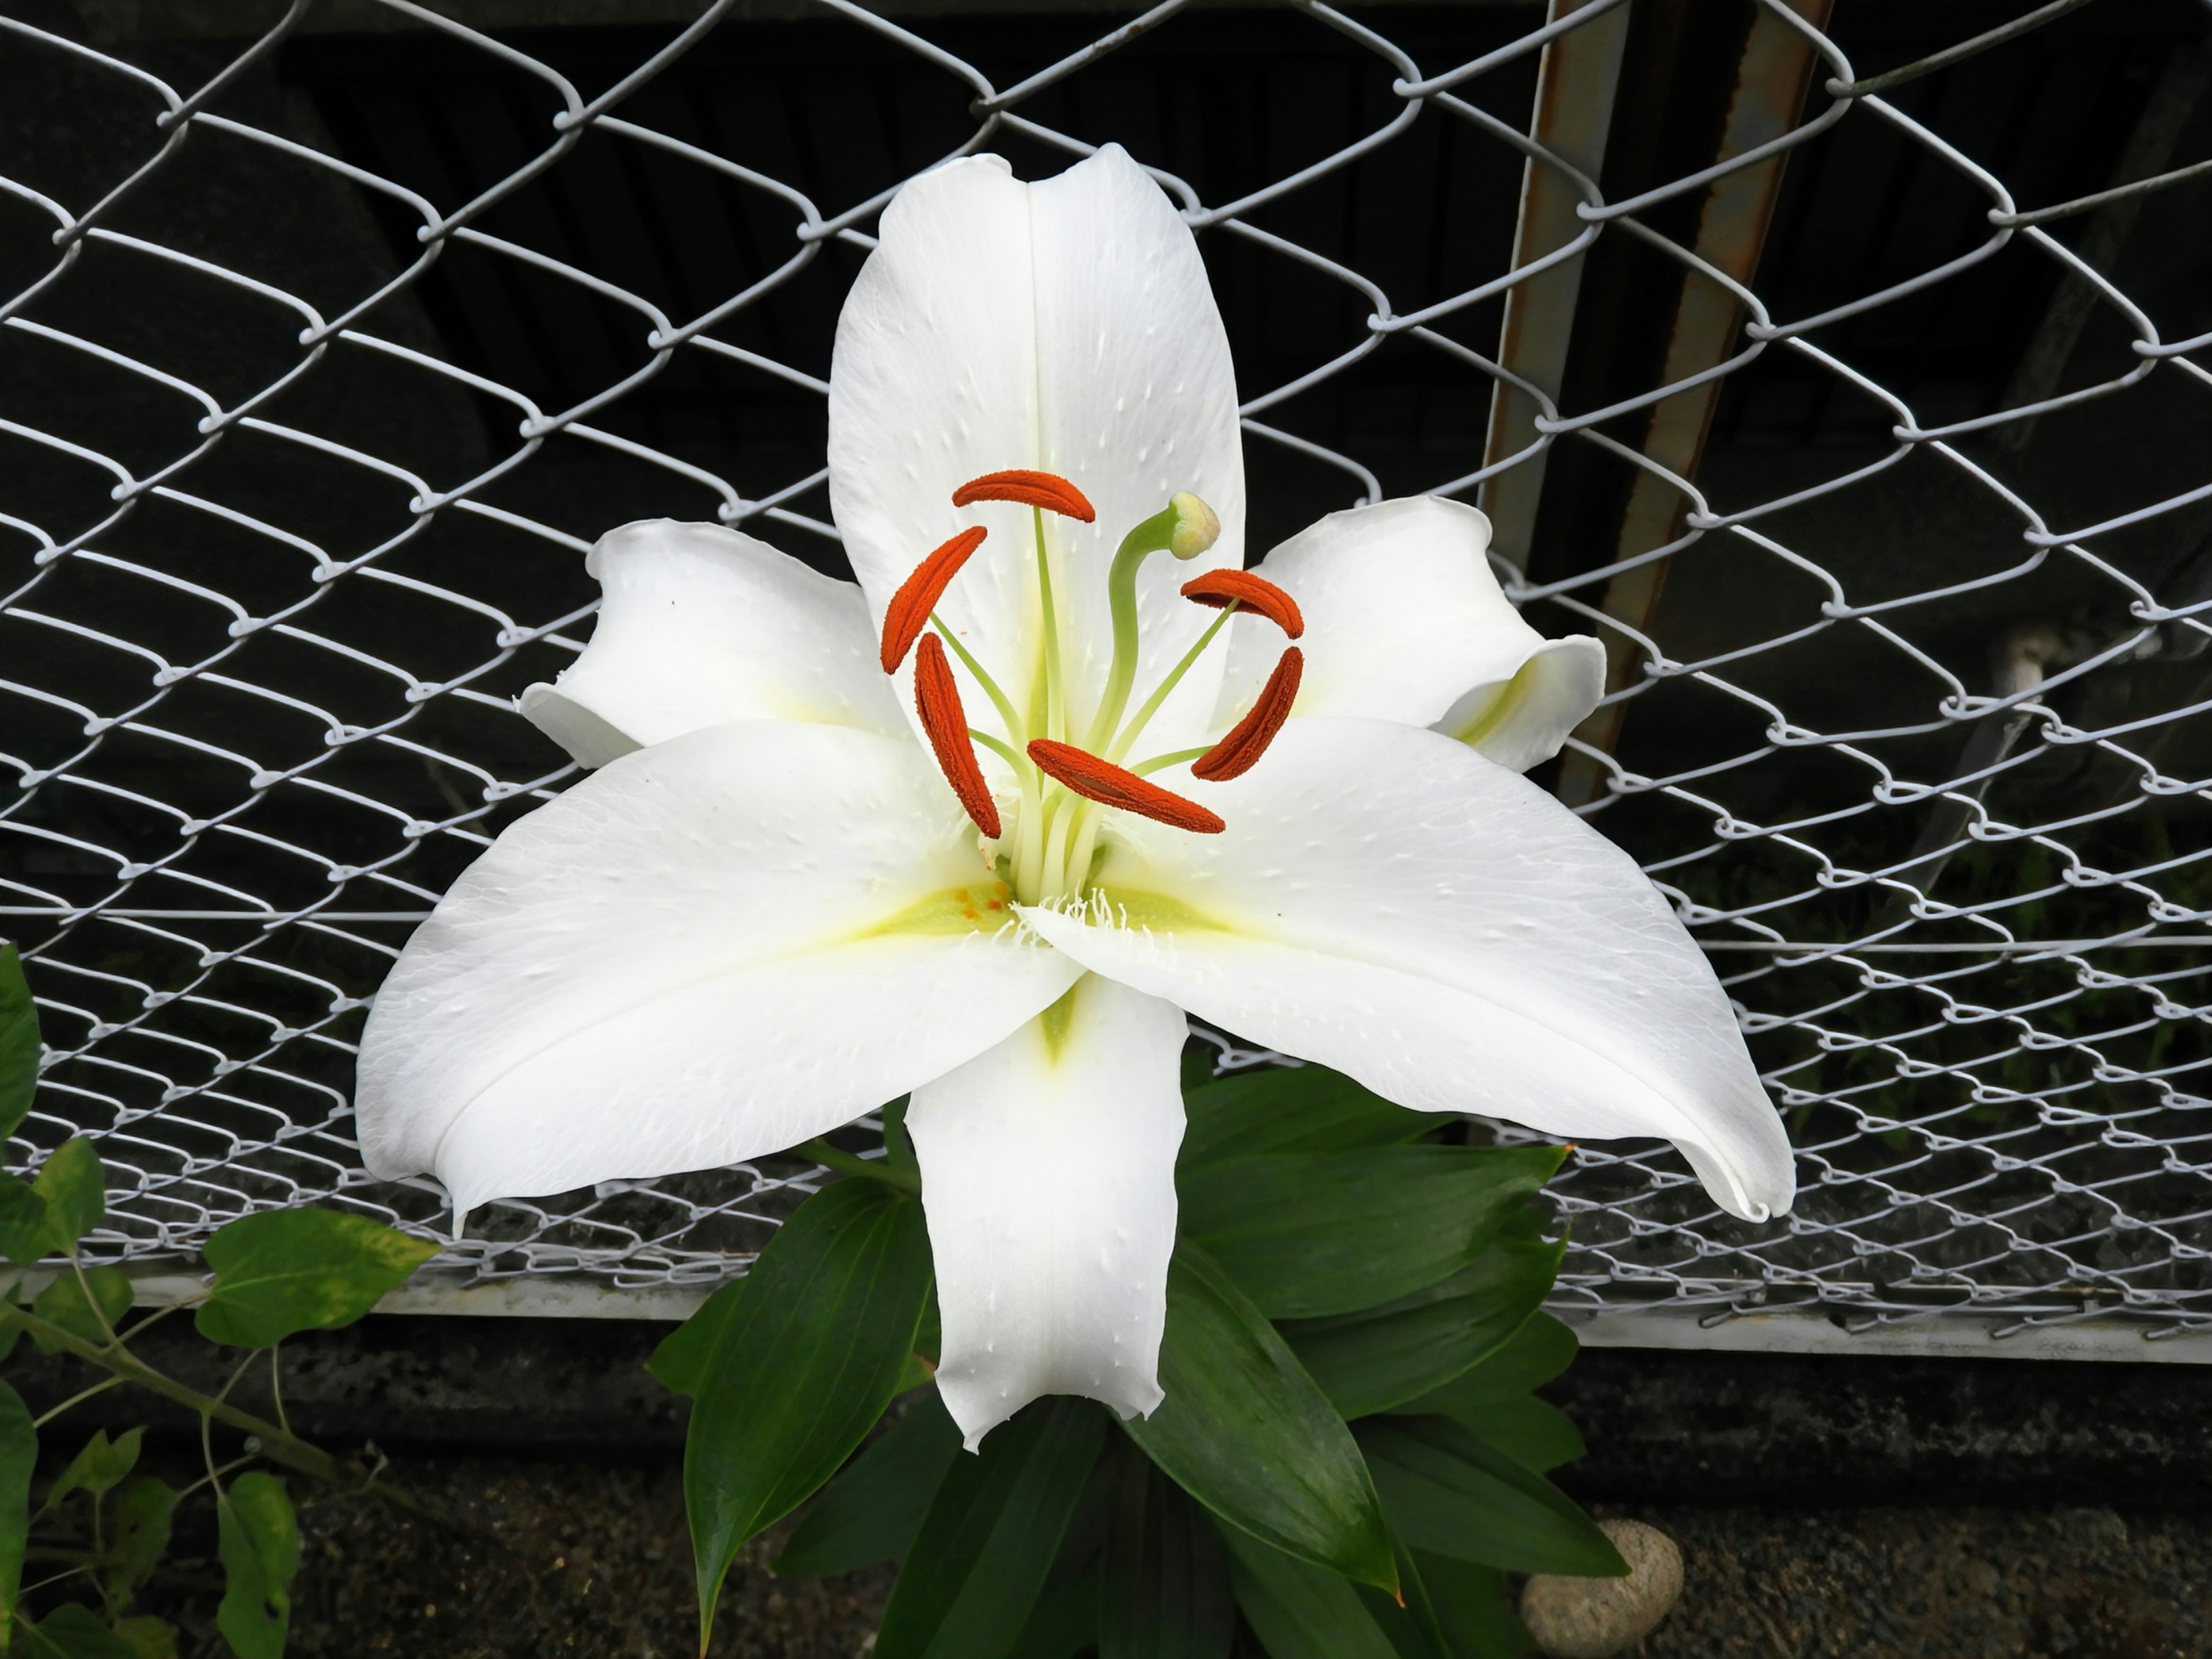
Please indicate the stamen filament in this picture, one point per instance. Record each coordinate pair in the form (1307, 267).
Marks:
(1161, 763)
(990, 686)
(1003, 751)
(1055, 689)
(1123, 744)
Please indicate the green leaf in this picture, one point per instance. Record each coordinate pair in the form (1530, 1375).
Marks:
(1535, 1433)
(1299, 1611)
(279, 1271)
(140, 1517)
(679, 1363)
(805, 1361)
(1064, 1622)
(1409, 1626)
(18, 1044)
(871, 1510)
(73, 1631)
(1293, 1108)
(1449, 1492)
(19, 1458)
(258, 1538)
(987, 1544)
(1164, 1578)
(98, 1467)
(1539, 1350)
(65, 1202)
(1378, 1360)
(1306, 1234)
(64, 1303)
(898, 1144)
(1475, 1607)
(1245, 1430)
(147, 1637)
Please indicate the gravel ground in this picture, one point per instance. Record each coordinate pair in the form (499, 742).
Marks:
(589, 1561)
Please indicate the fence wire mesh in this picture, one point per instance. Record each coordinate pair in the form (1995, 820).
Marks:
(1845, 372)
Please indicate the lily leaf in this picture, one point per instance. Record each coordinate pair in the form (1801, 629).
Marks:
(99, 1466)
(18, 1044)
(146, 1636)
(1308, 1234)
(1451, 1492)
(809, 1349)
(1540, 1350)
(1377, 1360)
(87, 1303)
(1245, 1430)
(1164, 1578)
(1066, 1621)
(987, 1544)
(141, 1515)
(873, 1509)
(1293, 1108)
(1298, 1610)
(1475, 1607)
(19, 1458)
(257, 1537)
(280, 1271)
(1535, 1433)
(679, 1363)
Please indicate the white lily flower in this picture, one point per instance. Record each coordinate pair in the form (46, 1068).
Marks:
(798, 887)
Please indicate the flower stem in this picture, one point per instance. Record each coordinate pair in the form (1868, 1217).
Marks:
(871, 1169)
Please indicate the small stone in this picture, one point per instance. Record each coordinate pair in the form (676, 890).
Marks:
(1597, 1617)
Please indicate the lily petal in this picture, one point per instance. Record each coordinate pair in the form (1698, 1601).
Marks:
(1049, 1166)
(1386, 901)
(711, 949)
(1405, 622)
(698, 626)
(1064, 326)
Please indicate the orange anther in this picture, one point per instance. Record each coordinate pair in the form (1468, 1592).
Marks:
(1113, 785)
(907, 613)
(1225, 587)
(1045, 489)
(1237, 753)
(937, 700)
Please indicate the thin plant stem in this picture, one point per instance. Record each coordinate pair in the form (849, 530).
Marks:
(277, 1388)
(77, 1399)
(870, 1168)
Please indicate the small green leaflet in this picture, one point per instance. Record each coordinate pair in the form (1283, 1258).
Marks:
(258, 1538)
(147, 1637)
(19, 1458)
(140, 1517)
(1449, 1492)
(66, 1201)
(18, 1044)
(73, 1631)
(811, 1346)
(98, 1467)
(984, 1550)
(280, 1271)
(1245, 1430)
(873, 1509)
(89, 1318)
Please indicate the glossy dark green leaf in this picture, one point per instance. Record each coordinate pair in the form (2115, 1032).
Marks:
(98, 1467)
(257, 1537)
(19, 1458)
(1539, 1350)
(73, 1631)
(680, 1361)
(147, 1637)
(1449, 1492)
(1474, 1605)
(1293, 1108)
(898, 1144)
(1245, 1430)
(1307, 1234)
(280, 1272)
(1378, 1360)
(870, 1511)
(1409, 1624)
(18, 1044)
(986, 1547)
(138, 1519)
(1535, 1433)
(805, 1361)
(87, 1304)
(1298, 1610)
(1164, 1580)
(65, 1201)
(1064, 1623)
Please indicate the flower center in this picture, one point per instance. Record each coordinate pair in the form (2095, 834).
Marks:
(1067, 787)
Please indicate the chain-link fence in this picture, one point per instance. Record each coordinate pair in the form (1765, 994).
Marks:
(1844, 370)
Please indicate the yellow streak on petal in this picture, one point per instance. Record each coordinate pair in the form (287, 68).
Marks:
(983, 907)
